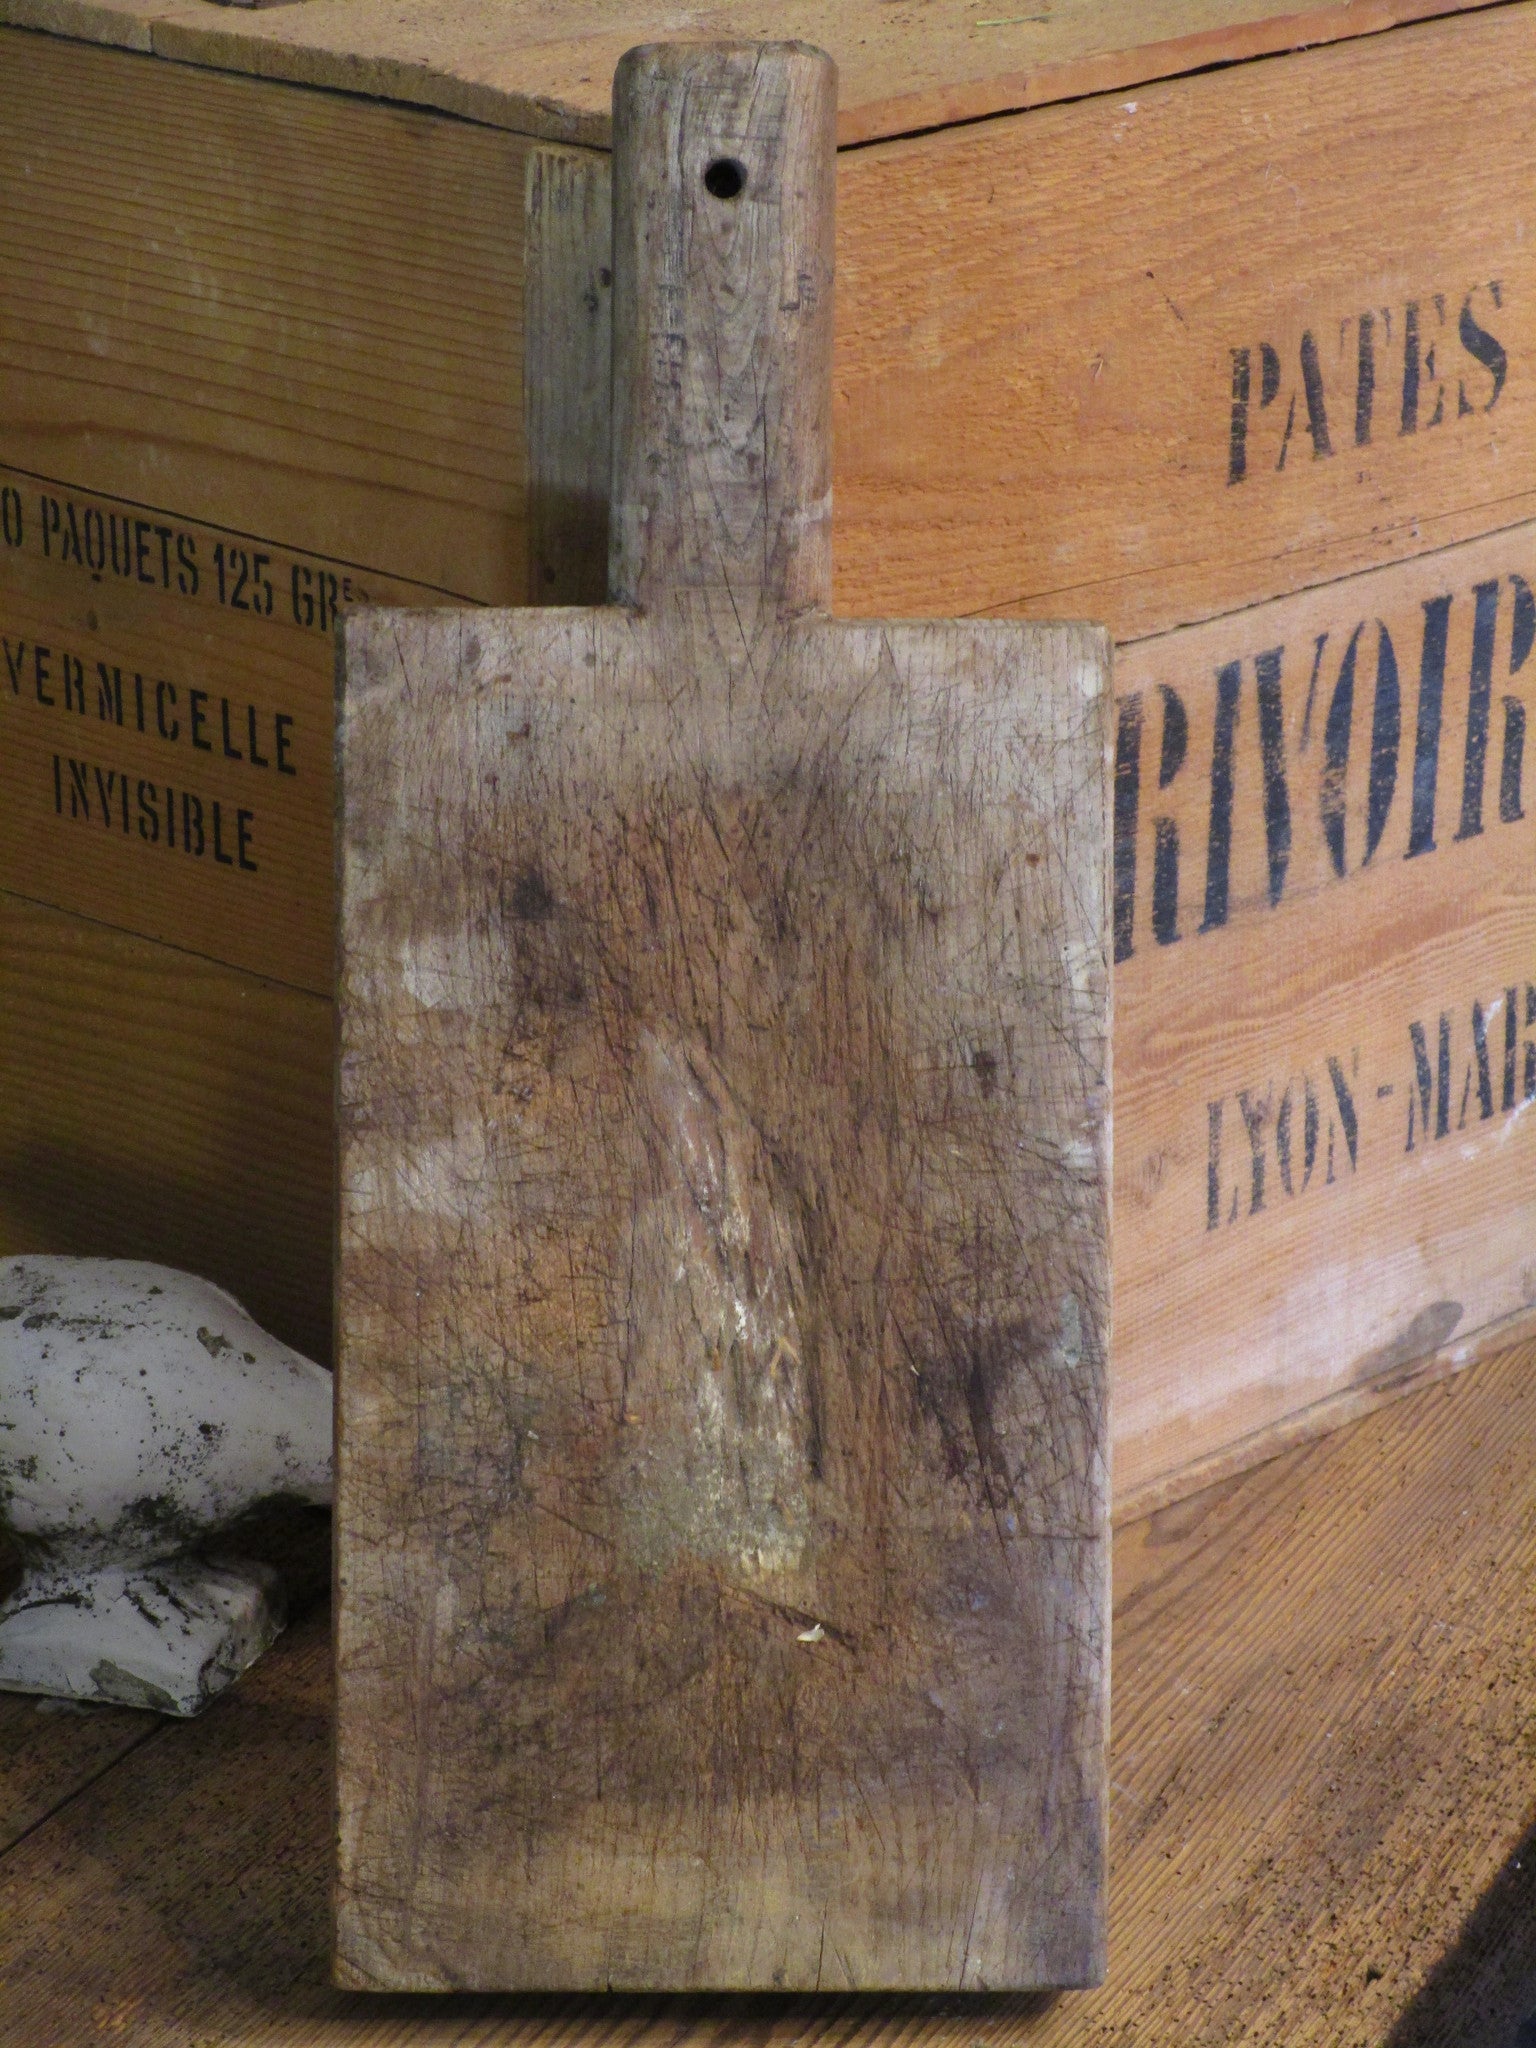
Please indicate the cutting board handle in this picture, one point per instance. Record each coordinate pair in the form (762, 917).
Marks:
(723, 178)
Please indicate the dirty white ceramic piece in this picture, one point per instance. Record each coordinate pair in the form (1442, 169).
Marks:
(141, 1411)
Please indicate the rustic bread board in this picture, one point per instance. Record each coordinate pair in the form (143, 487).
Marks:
(724, 1285)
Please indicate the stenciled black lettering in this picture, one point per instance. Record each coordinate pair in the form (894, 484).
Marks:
(231, 751)
(1349, 1120)
(1522, 637)
(1433, 1084)
(244, 821)
(1482, 348)
(282, 725)
(1126, 814)
(12, 522)
(1511, 1040)
(166, 693)
(95, 529)
(1485, 619)
(1409, 419)
(1365, 378)
(1237, 439)
(1426, 742)
(1480, 1057)
(1165, 849)
(70, 549)
(1218, 844)
(149, 813)
(1386, 739)
(15, 661)
(1277, 802)
(1255, 1115)
(109, 694)
(1312, 385)
(1309, 1128)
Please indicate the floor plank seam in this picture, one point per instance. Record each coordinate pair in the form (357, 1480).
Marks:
(42, 1820)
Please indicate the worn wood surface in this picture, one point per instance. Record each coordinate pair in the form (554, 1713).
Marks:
(545, 67)
(568, 374)
(1322, 1805)
(724, 1042)
(1325, 996)
(1014, 430)
(159, 1106)
(1036, 412)
(42, 1763)
(322, 351)
(257, 376)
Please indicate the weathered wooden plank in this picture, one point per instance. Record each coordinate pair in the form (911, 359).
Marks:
(159, 1106)
(545, 67)
(1325, 996)
(1140, 360)
(300, 319)
(166, 725)
(724, 1113)
(1321, 1801)
(1006, 439)
(1340, 965)
(930, 405)
(47, 1756)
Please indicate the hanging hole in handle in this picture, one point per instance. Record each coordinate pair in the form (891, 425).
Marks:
(725, 178)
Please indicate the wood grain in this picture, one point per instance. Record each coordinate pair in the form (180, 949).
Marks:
(995, 337)
(301, 319)
(568, 374)
(166, 726)
(45, 1763)
(158, 1106)
(724, 1040)
(1294, 968)
(545, 67)
(1037, 321)
(1321, 1801)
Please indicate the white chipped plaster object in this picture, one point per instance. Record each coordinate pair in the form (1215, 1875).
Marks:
(141, 1410)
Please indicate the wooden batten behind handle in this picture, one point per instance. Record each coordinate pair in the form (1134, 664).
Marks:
(723, 163)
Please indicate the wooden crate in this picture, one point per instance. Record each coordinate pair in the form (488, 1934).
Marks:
(306, 305)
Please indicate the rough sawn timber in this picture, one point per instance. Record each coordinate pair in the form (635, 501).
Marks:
(724, 1263)
(545, 67)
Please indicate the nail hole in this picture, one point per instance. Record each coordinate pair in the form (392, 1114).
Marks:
(725, 177)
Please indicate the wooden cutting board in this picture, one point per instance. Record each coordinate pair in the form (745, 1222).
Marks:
(723, 1286)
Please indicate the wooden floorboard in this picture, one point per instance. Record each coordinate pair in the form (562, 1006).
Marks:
(49, 1754)
(1324, 1764)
